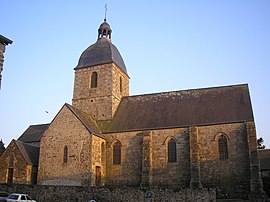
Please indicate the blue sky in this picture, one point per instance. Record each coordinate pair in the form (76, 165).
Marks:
(166, 45)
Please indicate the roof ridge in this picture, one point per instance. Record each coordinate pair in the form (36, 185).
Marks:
(187, 90)
(40, 124)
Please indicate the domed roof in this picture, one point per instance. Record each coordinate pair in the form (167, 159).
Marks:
(104, 25)
(103, 51)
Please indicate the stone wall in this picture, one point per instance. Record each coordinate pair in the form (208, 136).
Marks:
(232, 175)
(137, 147)
(109, 194)
(98, 160)
(102, 101)
(145, 159)
(129, 171)
(65, 130)
(163, 172)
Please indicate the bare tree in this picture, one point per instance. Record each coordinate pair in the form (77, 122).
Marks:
(2, 147)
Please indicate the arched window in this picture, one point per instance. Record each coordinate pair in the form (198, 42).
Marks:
(94, 78)
(65, 157)
(117, 153)
(121, 86)
(223, 147)
(172, 151)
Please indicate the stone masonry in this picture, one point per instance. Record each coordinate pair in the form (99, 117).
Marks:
(112, 194)
(77, 170)
(101, 102)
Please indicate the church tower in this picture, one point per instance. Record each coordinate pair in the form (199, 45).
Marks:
(101, 78)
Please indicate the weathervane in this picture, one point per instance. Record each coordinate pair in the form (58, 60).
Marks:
(106, 9)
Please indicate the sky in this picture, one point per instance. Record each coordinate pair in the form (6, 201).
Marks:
(166, 45)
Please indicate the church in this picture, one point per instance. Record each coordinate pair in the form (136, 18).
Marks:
(196, 138)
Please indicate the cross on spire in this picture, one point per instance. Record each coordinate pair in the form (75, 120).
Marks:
(106, 9)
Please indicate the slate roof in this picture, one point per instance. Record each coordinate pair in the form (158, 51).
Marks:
(29, 152)
(264, 156)
(205, 106)
(183, 108)
(102, 52)
(33, 133)
(85, 119)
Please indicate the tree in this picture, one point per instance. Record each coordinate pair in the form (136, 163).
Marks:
(2, 147)
(260, 143)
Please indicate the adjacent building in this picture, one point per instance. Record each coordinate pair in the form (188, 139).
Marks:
(3, 43)
(19, 162)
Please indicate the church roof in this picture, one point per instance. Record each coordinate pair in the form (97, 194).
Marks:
(85, 119)
(29, 152)
(33, 133)
(103, 51)
(183, 108)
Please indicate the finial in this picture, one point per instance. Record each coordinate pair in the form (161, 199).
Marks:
(106, 9)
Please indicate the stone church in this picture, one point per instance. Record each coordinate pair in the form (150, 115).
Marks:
(183, 139)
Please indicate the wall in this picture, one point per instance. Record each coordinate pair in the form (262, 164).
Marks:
(130, 171)
(106, 194)
(171, 173)
(117, 93)
(232, 175)
(98, 159)
(101, 102)
(65, 130)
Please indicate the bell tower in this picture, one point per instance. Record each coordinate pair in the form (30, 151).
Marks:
(101, 78)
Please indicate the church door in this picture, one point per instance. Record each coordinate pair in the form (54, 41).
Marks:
(10, 176)
(98, 175)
